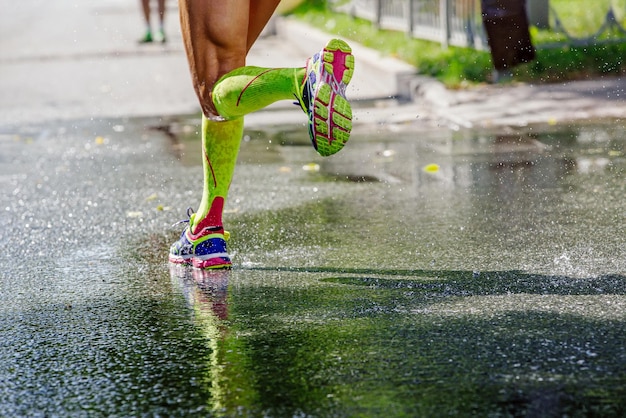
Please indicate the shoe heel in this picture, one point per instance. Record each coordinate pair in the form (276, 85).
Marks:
(211, 254)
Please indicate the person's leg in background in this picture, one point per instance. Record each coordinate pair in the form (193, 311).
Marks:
(145, 8)
(161, 9)
(149, 35)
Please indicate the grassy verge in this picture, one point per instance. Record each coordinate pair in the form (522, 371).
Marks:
(459, 67)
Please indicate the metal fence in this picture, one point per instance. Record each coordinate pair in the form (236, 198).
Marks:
(459, 22)
(450, 22)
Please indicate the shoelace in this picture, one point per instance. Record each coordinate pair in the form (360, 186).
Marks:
(190, 212)
(305, 100)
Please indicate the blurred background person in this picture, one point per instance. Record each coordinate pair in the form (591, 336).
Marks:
(149, 36)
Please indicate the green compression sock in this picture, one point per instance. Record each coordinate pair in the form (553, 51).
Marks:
(248, 89)
(220, 147)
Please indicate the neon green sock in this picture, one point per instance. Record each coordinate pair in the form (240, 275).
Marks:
(248, 89)
(220, 147)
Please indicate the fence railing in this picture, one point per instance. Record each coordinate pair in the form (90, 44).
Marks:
(459, 22)
(611, 30)
(450, 22)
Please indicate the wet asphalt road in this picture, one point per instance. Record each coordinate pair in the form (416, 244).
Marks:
(367, 283)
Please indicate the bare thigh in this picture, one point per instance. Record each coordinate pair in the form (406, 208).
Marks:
(218, 35)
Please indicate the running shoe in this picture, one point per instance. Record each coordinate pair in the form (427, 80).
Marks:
(205, 249)
(323, 97)
(161, 36)
(147, 38)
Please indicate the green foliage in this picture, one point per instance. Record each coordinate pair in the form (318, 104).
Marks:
(457, 67)
(581, 17)
(569, 63)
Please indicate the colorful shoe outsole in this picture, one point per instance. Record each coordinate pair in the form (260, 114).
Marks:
(324, 97)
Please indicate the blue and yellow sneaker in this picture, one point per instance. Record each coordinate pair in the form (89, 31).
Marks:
(323, 96)
(206, 249)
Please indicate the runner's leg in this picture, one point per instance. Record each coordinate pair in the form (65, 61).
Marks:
(217, 36)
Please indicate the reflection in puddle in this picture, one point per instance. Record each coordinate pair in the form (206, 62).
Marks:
(206, 294)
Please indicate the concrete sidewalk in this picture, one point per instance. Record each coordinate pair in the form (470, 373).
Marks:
(523, 104)
(95, 69)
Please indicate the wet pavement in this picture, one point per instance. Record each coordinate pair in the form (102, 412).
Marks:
(367, 283)
(434, 267)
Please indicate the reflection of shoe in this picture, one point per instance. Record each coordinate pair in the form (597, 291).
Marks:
(213, 285)
(323, 96)
(205, 249)
(147, 38)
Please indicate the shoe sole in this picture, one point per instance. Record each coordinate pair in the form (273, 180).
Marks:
(332, 114)
(212, 263)
(180, 261)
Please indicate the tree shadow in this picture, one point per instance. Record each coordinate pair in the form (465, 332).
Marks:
(348, 347)
(465, 282)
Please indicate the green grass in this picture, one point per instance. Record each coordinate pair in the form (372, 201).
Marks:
(459, 67)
